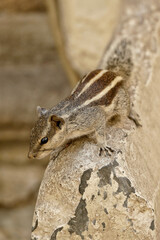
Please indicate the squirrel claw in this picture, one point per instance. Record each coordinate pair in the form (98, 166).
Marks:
(107, 150)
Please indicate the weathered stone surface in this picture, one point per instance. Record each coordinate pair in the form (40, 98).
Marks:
(98, 196)
(112, 218)
(85, 196)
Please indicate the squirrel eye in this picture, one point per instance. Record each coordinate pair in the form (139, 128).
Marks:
(44, 140)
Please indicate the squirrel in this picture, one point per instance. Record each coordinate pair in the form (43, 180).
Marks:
(98, 100)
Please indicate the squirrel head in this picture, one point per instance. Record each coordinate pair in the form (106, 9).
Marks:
(47, 134)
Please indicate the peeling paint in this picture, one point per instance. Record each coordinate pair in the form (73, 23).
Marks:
(124, 185)
(85, 177)
(152, 227)
(104, 174)
(79, 223)
(54, 235)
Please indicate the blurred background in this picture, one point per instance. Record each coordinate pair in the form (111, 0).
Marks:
(45, 46)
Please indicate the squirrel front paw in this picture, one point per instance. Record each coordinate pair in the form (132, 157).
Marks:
(107, 150)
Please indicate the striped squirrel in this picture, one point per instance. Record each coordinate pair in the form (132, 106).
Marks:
(98, 99)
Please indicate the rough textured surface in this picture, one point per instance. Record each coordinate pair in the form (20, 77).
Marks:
(98, 196)
(84, 196)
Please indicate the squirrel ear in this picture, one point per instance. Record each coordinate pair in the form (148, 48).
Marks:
(58, 121)
(41, 111)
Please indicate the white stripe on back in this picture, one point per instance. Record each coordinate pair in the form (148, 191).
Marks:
(92, 80)
(75, 88)
(85, 77)
(106, 90)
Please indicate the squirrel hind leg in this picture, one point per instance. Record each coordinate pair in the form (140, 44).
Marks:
(100, 135)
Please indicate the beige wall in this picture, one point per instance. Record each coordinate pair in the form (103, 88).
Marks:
(84, 25)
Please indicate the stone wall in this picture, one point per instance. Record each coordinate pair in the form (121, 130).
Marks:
(30, 75)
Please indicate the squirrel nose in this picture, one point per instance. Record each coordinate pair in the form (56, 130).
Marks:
(31, 155)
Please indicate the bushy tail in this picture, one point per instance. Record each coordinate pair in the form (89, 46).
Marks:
(118, 58)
